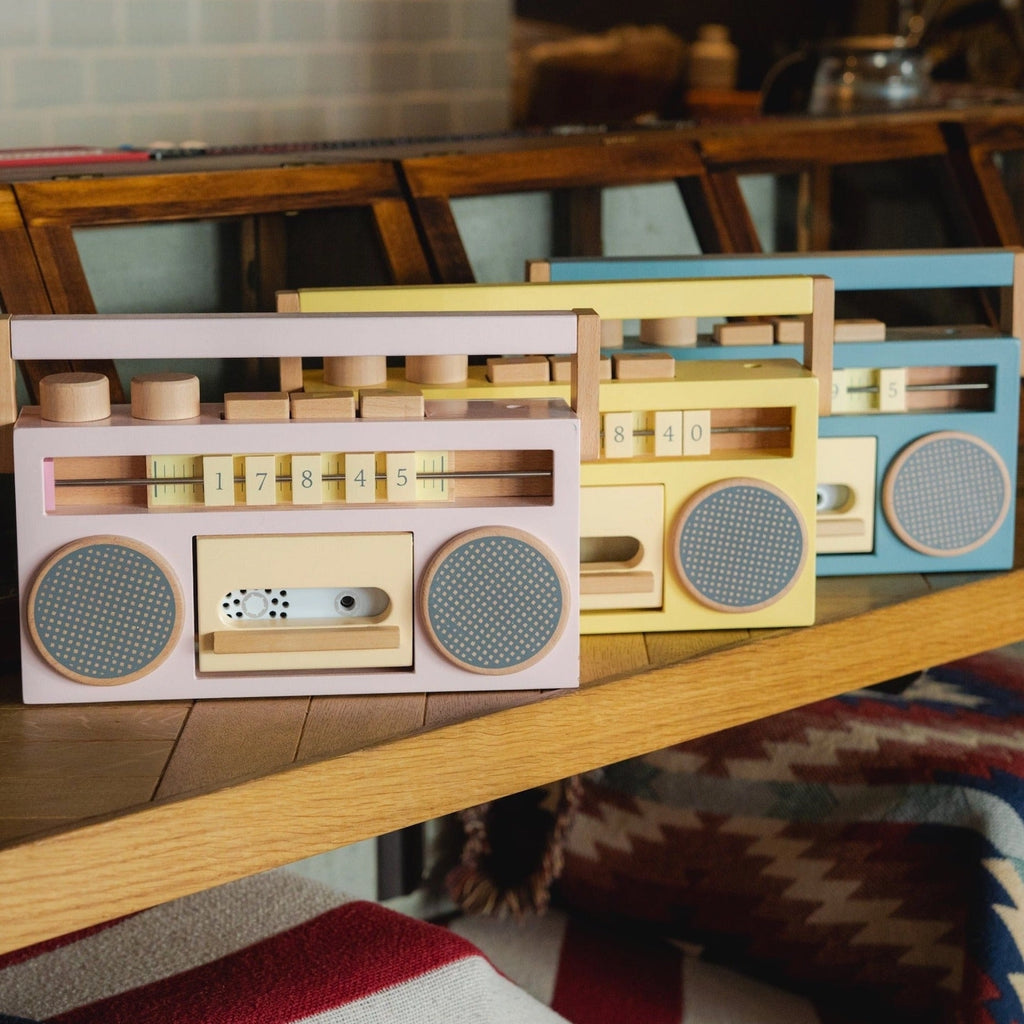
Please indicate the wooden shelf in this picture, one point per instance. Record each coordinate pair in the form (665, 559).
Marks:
(108, 809)
(112, 808)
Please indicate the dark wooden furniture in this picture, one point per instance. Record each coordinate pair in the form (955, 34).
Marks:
(337, 222)
(574, 170)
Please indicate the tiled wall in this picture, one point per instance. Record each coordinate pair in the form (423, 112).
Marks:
(112, 72)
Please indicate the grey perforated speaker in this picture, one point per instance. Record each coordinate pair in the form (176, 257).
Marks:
(739, 545)
(494, 600)
(104, 610)
(946, 493)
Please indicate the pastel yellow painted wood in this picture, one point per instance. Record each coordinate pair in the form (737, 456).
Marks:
(260, 482)
(622, 547)
(611, 300)
(218, 480)
(697, 432)
(846, 494)
(707, 385)
(360, 477)
(668, 433)
(307, 479)
(227, 564)
(400, 473)
(618, 434)
(892, 389)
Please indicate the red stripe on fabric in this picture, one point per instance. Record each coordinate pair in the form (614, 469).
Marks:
(347, 954)
(605, 979)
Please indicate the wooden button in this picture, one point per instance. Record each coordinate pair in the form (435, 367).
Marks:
(444, 369)
(355, 371)
(165, 396)
(74, 397)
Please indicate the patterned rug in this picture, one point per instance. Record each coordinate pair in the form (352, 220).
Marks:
(866, 851)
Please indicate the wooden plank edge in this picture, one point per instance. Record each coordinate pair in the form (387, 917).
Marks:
(163, 851)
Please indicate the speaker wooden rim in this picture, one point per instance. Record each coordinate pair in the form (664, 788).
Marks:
(166, 640)
(892, 479)
(556, 587)
(698, 588)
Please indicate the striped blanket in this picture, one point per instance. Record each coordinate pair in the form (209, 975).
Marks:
(280, 949)
(267, 950)
(865, 851)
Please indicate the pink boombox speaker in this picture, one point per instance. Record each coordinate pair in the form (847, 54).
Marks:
(273, 545)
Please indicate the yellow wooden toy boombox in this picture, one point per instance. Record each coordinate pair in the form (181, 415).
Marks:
(699, 510)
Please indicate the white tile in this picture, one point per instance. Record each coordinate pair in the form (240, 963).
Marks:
(228, 21)
(128, 80)
(156, 22)
(83, 23)
(47, 81)
(298, 21)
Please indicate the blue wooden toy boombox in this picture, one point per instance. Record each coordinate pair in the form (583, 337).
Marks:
(917, 455)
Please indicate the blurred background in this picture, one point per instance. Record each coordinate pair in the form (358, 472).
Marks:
(135, 72)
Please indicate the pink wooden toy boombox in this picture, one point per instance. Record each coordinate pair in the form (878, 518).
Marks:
(289, 545)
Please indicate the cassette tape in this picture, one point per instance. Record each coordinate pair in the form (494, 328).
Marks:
(698, 511)
(273, 545)
(917, 453)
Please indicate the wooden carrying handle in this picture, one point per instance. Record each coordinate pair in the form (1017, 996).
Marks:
(819, 338)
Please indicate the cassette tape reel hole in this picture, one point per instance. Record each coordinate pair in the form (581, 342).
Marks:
(739, 545)
(105, 610)
(303, 604)
(494, 600)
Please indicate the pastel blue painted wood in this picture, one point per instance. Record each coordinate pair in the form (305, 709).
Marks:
(960, 268)
(972, 490)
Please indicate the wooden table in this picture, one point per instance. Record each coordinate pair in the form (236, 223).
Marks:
(111, 808)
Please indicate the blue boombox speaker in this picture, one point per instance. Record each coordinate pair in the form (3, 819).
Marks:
(917, 458)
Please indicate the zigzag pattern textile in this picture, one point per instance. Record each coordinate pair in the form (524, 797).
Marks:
(866, 851)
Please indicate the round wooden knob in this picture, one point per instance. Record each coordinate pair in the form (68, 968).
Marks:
(355, 371)
(611, 333)
(74, 397)
(165, 396)
(669, 331)
(446, 369)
